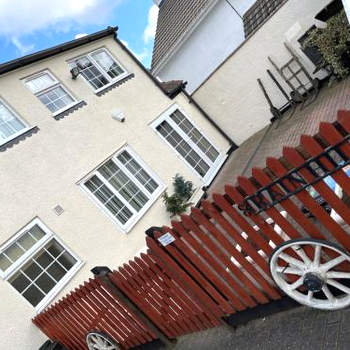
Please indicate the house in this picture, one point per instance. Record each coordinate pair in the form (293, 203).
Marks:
(193, 39)
(231, 94)
(89, 141)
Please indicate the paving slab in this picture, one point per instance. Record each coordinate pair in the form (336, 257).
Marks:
(298, 329)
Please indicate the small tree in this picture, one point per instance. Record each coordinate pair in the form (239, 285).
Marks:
(177, 203)
(333, 43)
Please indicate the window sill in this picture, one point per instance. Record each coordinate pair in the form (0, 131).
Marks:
(61, 114)
(15, 140)
(113, 85)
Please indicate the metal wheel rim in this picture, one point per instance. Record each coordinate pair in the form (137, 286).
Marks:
(99, 341)
(303, 265)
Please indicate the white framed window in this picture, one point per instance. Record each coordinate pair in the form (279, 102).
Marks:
(37, 264)
(99, 68)
(177, 129)
(50, 92)
(11, 125)
(124, 187)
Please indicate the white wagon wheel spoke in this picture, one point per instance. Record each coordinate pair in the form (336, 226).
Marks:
(315, 277)
(328, 293)
(299, 250)
(337, 274)
(297, 283)
(289, 270)
(339, 286)
(292, 261)
(317, 257)
(332, 263)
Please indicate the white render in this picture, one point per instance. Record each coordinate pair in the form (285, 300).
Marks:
(206, 44)
(45, 170)
(231, 94)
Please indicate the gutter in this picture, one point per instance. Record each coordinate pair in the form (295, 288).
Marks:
(40, 55)
(141, 66)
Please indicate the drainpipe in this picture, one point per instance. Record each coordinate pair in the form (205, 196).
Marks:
(346, 4)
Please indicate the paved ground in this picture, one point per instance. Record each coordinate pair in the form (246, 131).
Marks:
(305, 120)
(299, 329)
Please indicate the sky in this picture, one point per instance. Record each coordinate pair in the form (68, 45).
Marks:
(27, 26)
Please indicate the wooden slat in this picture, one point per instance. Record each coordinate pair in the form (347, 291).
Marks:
(339, 234)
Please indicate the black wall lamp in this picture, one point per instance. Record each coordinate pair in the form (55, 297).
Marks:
(75, 71)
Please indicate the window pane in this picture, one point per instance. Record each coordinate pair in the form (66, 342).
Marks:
(9, 123)
(56, 99)
(56, 271)
(91, 73)
(5, 263)
(45, 283)
(107, 63)
(20, 282)
(54, 248)
(14, 252)
(37, 232)
(32, 270)
(135, 168)
(33, 295)
(44, 259)
(26, 241)
(123, 186)
(40, 83)
(195, 135)
(184, 148)
(67, 261)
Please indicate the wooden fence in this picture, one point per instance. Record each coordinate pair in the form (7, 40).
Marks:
(214, 261)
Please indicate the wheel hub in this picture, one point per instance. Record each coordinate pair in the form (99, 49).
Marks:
(312, 282)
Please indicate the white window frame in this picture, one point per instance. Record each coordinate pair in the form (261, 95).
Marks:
(101, 70)
(22, 131)
(6, 276)
(213, 167)
(152, 197)
(56, 83)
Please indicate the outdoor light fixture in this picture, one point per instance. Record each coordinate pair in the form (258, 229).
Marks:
(75, 71)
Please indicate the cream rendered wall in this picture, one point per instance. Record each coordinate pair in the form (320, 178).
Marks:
(231, 95)
(43, 171)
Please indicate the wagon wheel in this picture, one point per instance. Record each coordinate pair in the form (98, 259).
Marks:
(312, 272)
(100, 341)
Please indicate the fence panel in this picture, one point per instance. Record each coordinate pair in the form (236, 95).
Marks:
(92, 307)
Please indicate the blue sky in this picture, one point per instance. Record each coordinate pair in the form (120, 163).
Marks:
(31, 25)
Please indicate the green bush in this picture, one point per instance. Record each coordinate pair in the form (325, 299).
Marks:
(333, 43)
(177, 203)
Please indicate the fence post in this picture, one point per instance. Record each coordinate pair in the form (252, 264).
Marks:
(101, 273)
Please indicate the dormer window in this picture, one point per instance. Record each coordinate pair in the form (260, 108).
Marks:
(50, 92)
(99, 68)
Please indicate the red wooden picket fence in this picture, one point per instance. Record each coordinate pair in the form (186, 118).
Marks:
(92, 307)
(215, 262)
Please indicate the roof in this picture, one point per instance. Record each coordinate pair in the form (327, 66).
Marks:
(258, 13)
(174, 19)
(37, 56)
(172, 87)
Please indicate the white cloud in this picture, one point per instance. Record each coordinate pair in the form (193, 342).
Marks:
(80, 35)
(151, 27)
(22, 48)
(140, 56)
(25, 17)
